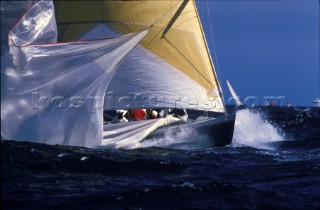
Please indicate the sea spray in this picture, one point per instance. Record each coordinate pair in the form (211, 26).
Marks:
(185, 138)
(252, 129)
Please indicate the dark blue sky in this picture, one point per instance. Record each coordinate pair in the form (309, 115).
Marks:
(266, 47)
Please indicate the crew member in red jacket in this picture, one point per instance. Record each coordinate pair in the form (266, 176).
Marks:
(138, 114)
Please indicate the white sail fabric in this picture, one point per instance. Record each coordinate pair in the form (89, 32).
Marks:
(145, 80)
(11, 11)
(53, 92)
(130, 135)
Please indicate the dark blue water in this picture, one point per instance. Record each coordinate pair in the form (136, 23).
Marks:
(273, 163)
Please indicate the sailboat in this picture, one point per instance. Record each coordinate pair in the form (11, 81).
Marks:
(317, 102)
(234, 95)
(68, 61)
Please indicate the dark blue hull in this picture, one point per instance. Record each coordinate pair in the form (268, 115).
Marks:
(218, 130)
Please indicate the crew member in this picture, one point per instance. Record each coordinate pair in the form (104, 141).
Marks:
(152, 114)
(138, 114)
(120, 117)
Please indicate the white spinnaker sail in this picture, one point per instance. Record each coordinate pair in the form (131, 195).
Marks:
(129, 135)
(53, 92)
(11, 11)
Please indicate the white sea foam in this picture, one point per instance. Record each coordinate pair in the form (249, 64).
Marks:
(184, 138)
(251, 129)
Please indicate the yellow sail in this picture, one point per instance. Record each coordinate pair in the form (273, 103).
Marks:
(175, 32)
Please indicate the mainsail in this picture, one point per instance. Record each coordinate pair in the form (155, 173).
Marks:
(172, 66)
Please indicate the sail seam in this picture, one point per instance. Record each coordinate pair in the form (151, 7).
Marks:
(188, 61)
(175, 17)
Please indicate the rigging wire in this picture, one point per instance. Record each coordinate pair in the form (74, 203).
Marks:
(212, 40)
(205, 14)
(207, 11)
